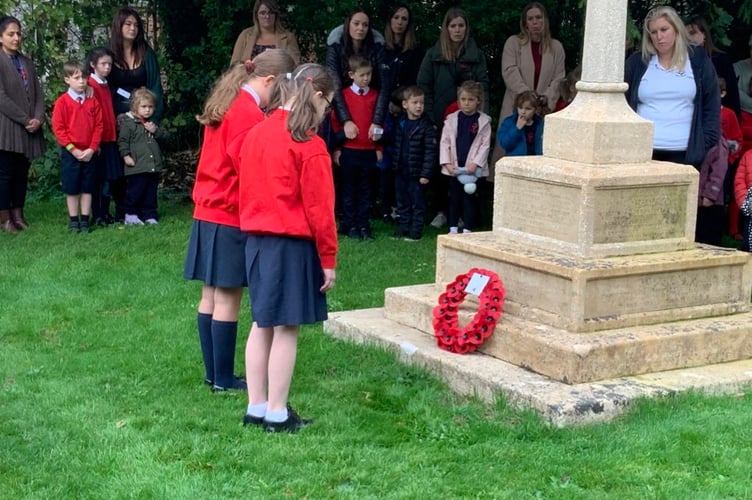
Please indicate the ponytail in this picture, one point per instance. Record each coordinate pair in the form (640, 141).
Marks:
(268, 63)
(302, 85)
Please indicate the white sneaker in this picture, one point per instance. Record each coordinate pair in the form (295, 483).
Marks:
(133, 220)
(439, 221)
(151, 222)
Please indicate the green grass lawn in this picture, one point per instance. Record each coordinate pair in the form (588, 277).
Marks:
(101, 395)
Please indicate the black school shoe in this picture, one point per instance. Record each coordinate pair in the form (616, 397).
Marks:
(238, 384)
(251, 420)
(292, 425)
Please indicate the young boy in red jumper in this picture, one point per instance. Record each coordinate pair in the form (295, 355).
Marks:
(77, 125)
(358, 157)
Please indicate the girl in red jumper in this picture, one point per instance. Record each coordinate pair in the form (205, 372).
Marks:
(216, 251)
(287, 210)
(110, 167)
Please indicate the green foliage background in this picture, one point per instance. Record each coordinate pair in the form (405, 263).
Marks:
(194, 38)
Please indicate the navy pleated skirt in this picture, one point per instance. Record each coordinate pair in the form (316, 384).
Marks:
(284, 277)
(216, 255)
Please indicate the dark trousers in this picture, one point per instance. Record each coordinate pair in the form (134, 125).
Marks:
(141, 195)
(386, 190)
(357, 166)
(461, 204)
(14, 179)
(411, 204)
(100, 196)
(117, 193)
(711, 223)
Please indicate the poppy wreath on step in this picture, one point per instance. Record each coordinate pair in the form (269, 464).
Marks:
(450, 337)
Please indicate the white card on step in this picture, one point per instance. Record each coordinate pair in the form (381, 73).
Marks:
(477, 283)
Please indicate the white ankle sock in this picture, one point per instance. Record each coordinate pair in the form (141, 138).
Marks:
(258, 411)
(276, 416)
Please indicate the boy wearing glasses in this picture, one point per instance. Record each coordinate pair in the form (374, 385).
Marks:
(357, 157)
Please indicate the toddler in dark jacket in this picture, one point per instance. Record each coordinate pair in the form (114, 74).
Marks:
(415, 149)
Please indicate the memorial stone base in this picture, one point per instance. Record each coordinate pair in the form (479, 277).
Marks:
(603, 279)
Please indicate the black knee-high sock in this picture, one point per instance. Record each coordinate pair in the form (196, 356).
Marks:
(204, 322)
(224, 337)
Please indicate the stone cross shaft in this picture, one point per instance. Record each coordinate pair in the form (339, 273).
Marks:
(599, 127)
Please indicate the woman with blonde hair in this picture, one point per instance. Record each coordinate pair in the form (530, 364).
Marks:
(674, 85)
(266, 33)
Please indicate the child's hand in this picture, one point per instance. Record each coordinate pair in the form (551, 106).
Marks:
(449, 168)
(379, 156)
(351, 130)
(335, 157)
(128, 160)
(329, 279)
(87, 155)
(150, 127)
(423, 180)
(375, 132)
(470, 168)
(521, 122)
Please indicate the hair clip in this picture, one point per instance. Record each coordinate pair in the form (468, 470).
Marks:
(249, 66)
(309, 79)
(288, 76)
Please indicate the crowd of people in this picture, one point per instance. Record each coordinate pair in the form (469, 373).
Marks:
(399, 130)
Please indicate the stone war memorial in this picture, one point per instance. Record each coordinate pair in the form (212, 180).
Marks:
(608, 298)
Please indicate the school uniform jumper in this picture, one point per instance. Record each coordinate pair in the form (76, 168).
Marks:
(77, 121)
(216, 250)
(287, 209)
(358, 160)
(109, 164)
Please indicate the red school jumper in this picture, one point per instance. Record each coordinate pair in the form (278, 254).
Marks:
(77, 123)
(215, 192)
(104, 98)
(286, 187)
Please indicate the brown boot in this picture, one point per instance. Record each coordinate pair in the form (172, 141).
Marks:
(6, 225)
(17, 215)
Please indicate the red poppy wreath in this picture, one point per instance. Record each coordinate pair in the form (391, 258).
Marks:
(449, 335)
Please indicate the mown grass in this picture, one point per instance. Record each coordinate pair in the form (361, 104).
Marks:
(101, 396)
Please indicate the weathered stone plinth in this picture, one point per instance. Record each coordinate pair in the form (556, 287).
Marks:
(593, 117)
(576, 357)
(595, 210)
(594, 294)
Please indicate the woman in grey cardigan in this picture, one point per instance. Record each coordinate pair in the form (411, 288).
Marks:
(21, 115)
